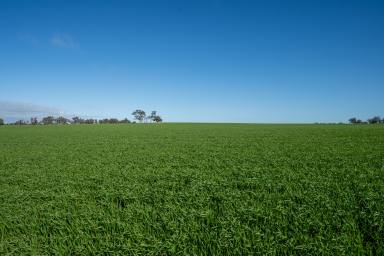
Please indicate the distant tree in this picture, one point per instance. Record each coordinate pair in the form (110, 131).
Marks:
(374, 120)
(77, 120)
(139, 115)
(103, 121)
(352, 120)
(358, 121)
(157, 119)
(113, 121)
(152, 115)
(62, 120)
(20, 122)
(34, 121)
(125, 121)
(90, 121)
(109, 121)
(1, 121)
(48, 120)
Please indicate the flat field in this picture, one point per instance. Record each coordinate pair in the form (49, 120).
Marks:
(192, 189)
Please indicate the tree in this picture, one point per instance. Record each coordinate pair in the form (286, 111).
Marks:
(48, 120)
(157, 119)
(103, 121)
(139, 115)
(77, 120)
(113, 121)
(1, 121)
(90, 121)
(109, 121)
(62, 120)
(374, 120)
(353, 120)
(125, 121)
(20, 122)
(152, 115)
(34, 121)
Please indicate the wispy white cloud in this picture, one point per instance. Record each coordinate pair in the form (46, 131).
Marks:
(63, 41)
(12, 110)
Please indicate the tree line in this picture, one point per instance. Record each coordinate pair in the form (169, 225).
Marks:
(139, 115)
(373, 120)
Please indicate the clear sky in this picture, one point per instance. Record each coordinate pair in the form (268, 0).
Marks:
(191, 60)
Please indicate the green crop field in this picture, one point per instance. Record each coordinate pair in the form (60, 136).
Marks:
(192, 189)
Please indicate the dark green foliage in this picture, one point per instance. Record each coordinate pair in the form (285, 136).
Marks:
(48, 120)
(124, 121)
(374, 120)
(109, 121)
(354, 120)
(20, 122)
(192, 189)
(77, 120)
(90, 121)
(34, 121)
(139, 115)
(154, 117)
(157, 119)
(62, 120)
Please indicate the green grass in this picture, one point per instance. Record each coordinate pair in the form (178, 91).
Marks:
(192, 189)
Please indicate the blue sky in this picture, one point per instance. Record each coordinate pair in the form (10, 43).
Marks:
(198, 61)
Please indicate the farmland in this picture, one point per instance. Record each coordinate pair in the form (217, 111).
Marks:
(192, 189)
